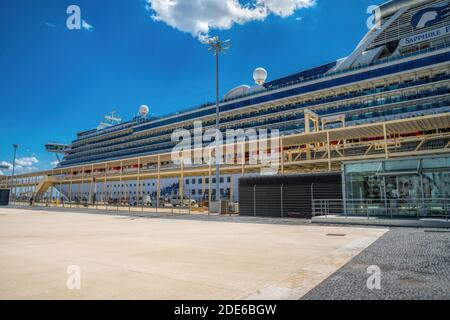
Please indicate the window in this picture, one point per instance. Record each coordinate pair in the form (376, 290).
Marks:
(187, 181)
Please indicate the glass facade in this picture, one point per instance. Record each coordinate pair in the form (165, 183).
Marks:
(415, 187)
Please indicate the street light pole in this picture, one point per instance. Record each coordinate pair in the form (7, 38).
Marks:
(217, 131)
(15, 146)
(217, 46)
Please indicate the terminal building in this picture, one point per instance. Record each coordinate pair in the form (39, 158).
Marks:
(379, 117)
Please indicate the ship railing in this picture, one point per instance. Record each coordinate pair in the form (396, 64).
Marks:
(316, 77)
(335, 73)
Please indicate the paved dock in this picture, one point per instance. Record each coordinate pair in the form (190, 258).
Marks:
(131, 257)
(414, 264)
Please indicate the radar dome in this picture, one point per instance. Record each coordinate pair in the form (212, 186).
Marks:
(143, 110)
(260, 76)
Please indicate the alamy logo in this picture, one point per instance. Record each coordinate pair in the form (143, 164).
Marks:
(73, 22)
(263, 147)
(374, 281)
(74, 279)
(429, 16)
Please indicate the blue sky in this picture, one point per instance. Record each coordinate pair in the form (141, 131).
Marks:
(55, 82)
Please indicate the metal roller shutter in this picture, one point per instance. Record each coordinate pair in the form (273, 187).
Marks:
(286, 196)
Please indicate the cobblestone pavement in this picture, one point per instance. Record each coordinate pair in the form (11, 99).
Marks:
(414, 263)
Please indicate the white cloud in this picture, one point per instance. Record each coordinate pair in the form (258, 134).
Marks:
(86, 25)
(54, 163)
(26, 161)
(1, 173)
(7, 164)
(23, 165)
(198, 17)
(22, 170)
(286, 8)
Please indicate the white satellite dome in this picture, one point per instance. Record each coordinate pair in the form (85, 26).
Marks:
(260, 76)
(143, 110)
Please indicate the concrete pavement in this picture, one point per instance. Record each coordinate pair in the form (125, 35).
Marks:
(136, 258)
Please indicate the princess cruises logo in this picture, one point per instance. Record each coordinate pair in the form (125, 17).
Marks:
(429, 16)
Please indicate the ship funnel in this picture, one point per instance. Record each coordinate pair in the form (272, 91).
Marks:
(389, 8)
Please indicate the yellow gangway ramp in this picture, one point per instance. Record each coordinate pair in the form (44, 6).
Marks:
(45, 184)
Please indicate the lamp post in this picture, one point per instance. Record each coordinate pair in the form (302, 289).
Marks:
(15, 146)
(217, 46)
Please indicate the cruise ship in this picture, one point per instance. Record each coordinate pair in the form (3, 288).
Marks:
(398, 74)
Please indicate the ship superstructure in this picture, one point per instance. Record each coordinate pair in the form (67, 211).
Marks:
(400, 71)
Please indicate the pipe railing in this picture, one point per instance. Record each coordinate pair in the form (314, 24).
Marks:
(383, 208)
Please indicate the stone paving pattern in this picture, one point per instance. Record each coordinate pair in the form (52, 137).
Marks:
(414, 263)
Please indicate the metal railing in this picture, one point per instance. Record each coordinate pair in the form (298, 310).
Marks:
(348, 70)
(129, 202)
(383, 208)
(185, 207)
